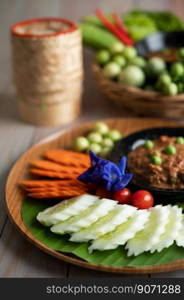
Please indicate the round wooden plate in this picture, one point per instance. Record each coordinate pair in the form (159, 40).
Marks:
(64, 139)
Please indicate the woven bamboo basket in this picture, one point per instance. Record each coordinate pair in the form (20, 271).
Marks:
(47, 70)
(141, 102)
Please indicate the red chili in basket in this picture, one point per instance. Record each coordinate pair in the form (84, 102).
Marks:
(116, 31)
(119, 23)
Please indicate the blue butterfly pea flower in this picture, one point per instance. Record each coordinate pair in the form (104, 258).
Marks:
(106, 173)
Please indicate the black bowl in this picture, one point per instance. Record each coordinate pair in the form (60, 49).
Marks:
(159, 41)
(132, 141)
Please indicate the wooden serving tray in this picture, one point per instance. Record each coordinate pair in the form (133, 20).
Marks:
(14, 195)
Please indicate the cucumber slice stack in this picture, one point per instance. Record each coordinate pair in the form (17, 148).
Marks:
(106, 225)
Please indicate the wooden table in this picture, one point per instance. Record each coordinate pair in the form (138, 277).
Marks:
(18, 258)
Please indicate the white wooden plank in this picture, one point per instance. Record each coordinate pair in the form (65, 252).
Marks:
(14, 140)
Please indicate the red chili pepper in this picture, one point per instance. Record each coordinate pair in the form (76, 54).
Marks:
(119, 23)
(116, 31)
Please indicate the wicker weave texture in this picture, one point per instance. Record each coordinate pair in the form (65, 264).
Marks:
(48, 71)
(141, 102)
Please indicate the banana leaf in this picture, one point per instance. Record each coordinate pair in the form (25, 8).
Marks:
(114, 258)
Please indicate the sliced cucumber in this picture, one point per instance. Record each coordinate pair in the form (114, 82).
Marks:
(106, 224)
(85, 218)
(180, 235)
(145, 239)
(122, 233)
(172, 228)
(66, 209)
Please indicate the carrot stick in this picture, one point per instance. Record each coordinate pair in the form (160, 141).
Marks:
(57, 194)
(55, 167)
(68, 158)
(50, 183)
(53, 174)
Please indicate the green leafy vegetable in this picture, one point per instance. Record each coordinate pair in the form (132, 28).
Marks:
(166, 21)
(141, 23)
(115, 258)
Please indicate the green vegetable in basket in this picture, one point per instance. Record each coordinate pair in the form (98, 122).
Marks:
(166, 21)
(116, 48)
(164, 79)
(180, 87)
(181, 53)
(139, 25)
(111, 70)
(120, 60)
(155, 66)
(132, 75)
(138, 61)
(103, 56)
(130, 52)
(177, 70)
(97, 37)
(170, 89)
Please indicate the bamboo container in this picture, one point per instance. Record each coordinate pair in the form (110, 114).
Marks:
(47, 70)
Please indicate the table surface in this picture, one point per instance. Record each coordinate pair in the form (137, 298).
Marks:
(19, 258)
